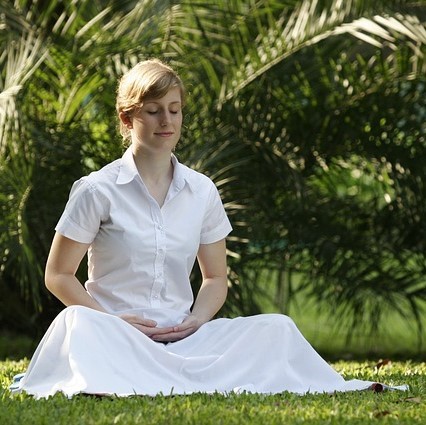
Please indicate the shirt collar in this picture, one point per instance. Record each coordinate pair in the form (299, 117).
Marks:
(128, 171)
(181, 175)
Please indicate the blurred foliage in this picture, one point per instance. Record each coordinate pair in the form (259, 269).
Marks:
(309, 116)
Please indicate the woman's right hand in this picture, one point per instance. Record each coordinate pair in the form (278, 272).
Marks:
(146, 326)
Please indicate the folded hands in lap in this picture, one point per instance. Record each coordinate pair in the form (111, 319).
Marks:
(167, 334)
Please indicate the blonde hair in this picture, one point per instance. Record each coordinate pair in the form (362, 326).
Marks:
(149, 79)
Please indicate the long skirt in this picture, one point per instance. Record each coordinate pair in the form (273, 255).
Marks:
(86, 351)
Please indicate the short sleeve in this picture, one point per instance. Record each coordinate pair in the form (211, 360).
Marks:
(83, 214)
(216, 225)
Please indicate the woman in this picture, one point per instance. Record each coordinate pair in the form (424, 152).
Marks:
(135, 328)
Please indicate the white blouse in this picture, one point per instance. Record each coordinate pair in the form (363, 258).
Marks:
(141, 255)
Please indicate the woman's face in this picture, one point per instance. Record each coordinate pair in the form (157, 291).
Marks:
(156, 125)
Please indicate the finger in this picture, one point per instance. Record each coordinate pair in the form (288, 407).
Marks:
(162, 331)
(184, 326)
(172, 336)
(149, 331)
(149, 323)
(133, 319)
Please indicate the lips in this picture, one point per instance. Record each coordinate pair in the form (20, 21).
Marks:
(164, 134)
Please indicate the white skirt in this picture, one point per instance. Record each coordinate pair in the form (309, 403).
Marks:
(86, 351)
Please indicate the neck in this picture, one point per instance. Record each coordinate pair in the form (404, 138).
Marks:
(153, 168)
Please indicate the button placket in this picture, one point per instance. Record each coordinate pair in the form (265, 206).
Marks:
(160, 249)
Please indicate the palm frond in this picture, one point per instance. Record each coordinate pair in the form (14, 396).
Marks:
(20, 59)
(308, 26)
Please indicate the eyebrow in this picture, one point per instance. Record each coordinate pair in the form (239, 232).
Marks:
(157, 103)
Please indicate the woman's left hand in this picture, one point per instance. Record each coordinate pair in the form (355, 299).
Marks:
(190, 324)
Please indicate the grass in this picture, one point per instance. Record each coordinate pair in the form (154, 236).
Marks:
(362, 407)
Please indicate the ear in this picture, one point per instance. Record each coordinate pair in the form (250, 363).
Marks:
(125, 119)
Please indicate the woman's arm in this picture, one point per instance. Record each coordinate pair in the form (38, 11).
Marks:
(214, 288)
(212, 293)
(64, 258)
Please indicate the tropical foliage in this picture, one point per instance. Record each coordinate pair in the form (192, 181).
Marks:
(309, 115)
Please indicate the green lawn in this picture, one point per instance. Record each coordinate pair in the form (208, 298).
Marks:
(394, 407)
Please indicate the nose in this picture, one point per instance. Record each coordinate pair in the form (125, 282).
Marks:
(165, 118)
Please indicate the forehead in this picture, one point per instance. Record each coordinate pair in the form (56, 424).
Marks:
(172, 96)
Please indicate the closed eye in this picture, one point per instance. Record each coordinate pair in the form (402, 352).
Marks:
(155, 112)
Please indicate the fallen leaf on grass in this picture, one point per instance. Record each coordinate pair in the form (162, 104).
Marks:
(381, 363)
(382, 413)
(416, 400)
